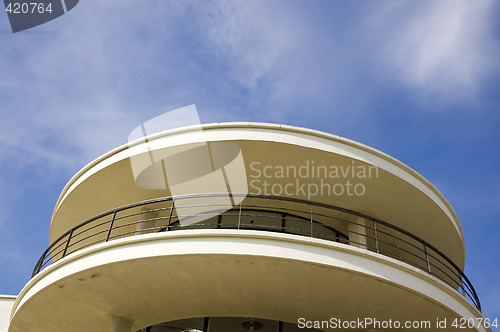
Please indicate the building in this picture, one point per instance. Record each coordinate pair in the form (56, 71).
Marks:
(282, 229)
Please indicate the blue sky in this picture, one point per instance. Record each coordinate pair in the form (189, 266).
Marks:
(419, 80)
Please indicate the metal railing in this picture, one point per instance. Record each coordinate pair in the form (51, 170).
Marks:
(263, 213)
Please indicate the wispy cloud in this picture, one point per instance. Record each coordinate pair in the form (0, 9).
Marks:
(64, 102)
(284, 60)
(255, 36)
(72, 94)
(78, 91)
(441, 48)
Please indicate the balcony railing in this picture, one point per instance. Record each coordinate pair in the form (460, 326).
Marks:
(262, 213)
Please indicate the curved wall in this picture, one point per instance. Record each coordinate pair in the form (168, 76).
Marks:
(6, 304)
(397, 194)
(162, 277)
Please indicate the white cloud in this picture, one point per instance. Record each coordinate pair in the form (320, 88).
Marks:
(70, 95)
(255, 36)
(58, 138)
(290, 58)
(443, 48)
(63, 98)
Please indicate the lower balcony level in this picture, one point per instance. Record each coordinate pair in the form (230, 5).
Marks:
(274, 258)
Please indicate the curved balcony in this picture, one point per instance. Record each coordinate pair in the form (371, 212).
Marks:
(262, 213)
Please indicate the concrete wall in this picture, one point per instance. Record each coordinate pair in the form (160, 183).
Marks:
(6, 303)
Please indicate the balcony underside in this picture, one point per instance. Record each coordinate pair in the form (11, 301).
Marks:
(162, 277)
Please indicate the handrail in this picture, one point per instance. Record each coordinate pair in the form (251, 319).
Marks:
(386, 242)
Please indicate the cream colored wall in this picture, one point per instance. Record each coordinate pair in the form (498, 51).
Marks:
(175, 270)
(6, 303)
(397, 194)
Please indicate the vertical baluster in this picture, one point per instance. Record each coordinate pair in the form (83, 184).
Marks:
(170, 215)
(111, 226)
(376, 236)
(239, 214)
(206, 324)
(67, 243)
(462, 283)
(219, 221)
(312, 230)
(427, 259)
(283, 222)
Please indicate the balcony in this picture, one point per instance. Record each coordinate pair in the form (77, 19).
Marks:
(395, 252)
(262, 213)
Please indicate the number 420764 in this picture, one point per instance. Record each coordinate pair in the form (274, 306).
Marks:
(28, 8)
